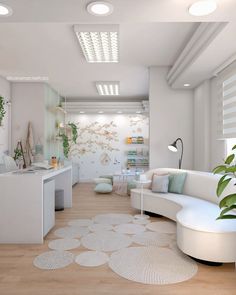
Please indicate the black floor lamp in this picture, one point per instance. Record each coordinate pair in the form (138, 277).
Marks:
(173, 147)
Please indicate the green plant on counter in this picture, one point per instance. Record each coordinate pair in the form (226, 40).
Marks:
(17, 154)
(2, 109)
(66, 145)
(228, 169)
(74, 131)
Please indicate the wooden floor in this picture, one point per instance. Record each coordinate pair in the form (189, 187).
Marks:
(18, 276)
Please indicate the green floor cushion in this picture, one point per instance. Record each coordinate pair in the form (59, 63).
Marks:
(102, 180)
(107, 176)
(103, 188)
(130, 186)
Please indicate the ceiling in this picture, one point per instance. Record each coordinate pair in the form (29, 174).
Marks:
(38, 40)
(48, 49)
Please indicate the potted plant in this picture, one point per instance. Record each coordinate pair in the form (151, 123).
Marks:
(228, 171)
(2, 109)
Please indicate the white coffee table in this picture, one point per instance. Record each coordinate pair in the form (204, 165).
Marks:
(141, 215)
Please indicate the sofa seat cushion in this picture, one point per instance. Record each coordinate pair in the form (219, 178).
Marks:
(192, 212)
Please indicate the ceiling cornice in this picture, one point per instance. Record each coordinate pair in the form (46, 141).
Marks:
(199, 41)
(106, 107)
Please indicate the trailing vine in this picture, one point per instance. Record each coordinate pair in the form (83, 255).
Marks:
(66, 145)
(74, 131)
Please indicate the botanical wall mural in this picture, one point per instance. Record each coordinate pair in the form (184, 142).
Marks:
(101, 146)
(94, 136)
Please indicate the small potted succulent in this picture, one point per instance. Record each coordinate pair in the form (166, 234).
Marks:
(2, 109)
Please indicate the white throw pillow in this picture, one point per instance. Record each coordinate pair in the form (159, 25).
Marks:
(160, 183)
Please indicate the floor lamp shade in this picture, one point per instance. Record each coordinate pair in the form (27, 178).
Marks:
(173, 147)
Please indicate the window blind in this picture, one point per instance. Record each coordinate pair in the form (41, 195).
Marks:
(227, 103)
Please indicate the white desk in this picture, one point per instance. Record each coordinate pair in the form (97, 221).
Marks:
(22, 203)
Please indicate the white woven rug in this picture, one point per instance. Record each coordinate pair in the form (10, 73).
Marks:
(100, 227)
(64, 244)
(106, 241)
(130, 228)
(71, 232)
(167, 227)
(80, 222)
(53, 259)
(152, 265)
(113, 218)
(141, 221)
(153, 239)
(92, 258)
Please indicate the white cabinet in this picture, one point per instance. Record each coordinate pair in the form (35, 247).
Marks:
(48, 205)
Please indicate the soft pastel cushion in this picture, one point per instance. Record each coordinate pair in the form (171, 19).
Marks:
(102, 180)
(103, 188)
(160, 183)
(176, 182)
(107, 176)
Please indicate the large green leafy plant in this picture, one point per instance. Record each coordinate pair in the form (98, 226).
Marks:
(228, 170)
(2, 109)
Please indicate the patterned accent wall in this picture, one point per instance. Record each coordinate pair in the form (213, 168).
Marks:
(101, 145)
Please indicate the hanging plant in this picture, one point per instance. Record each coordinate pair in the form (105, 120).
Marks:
(66, 145)
(74, 131)
(2, 109)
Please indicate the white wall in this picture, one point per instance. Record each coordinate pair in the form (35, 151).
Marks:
(5, 92)
(202, 114)
(27, 105)
(90, 150)
(171, 116)
(35, 103)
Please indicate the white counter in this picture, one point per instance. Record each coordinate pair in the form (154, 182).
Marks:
(22, 203)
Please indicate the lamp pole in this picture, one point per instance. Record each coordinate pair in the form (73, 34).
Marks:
(182, 151)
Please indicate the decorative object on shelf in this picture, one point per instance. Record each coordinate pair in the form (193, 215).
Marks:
(173, 147)
(138, 157)
(2, 109)
(228, 203)
(135, 140)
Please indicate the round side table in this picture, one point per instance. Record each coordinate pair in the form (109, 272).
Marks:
(141, 215)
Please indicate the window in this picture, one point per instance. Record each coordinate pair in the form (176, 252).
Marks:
(227, 103)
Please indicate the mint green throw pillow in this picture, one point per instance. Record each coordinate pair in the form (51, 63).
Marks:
(176, 183)
(103, 188)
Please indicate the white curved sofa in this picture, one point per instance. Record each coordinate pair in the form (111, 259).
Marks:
(199, 234)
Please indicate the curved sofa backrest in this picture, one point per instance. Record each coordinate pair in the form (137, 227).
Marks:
(198, 184)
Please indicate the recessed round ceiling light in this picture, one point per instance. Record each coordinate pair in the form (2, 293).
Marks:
(100, 8)
(186, 85)
(5, 10)
(203, 7)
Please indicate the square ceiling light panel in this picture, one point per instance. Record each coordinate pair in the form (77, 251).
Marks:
(99, 43)
(108, 88)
